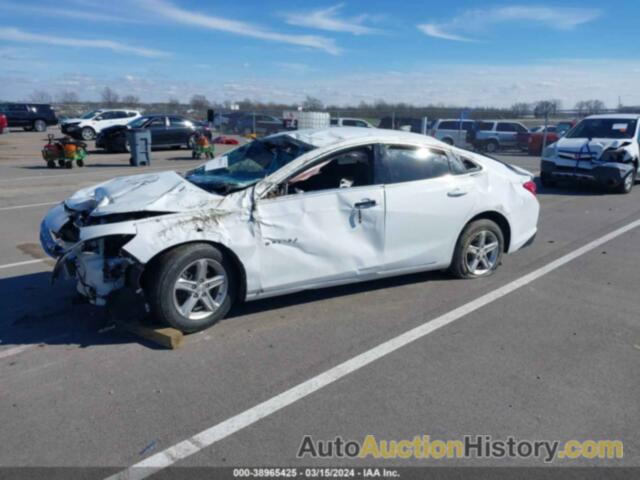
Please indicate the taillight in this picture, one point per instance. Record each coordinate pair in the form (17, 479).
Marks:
(531, 186)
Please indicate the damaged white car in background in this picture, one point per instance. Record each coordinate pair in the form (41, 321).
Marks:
(289, 212)
(601, 149)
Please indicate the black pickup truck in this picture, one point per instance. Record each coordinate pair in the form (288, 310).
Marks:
(30, 116)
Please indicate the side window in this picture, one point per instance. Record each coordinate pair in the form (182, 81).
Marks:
(467, 126)
(333, 121)
(108, 116)
(485, 126)
(346, 169)
(131, 114)
(158, 122)
(520, 128)
(408, 164)
(448, 126)
(505, 127)
(349, 123)
(461, 165)
(177, 122)
(18, 108)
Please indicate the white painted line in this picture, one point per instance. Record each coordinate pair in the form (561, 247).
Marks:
(9, 352)
(29, 205)
(26, 262)
(232, 425)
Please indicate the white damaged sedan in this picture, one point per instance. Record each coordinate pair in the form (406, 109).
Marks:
(293, 211)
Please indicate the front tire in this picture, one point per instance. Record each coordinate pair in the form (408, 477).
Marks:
(546, 180)
(191, 287)
(479, 250)
(88, 133)
(627, 182)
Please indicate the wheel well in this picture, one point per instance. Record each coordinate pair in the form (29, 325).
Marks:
(502, 222)
(227, 252)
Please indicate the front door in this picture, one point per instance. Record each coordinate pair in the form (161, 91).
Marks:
(159, 131)
(324, 225)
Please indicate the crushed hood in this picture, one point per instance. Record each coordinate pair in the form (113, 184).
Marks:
(587, 148)
(153, 192)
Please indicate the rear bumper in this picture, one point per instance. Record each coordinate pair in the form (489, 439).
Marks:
(605, 174)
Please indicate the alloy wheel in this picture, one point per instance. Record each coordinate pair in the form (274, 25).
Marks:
(200, 289)
(482, 253)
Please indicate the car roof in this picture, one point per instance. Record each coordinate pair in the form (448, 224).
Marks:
(325, 137)
(630, 116)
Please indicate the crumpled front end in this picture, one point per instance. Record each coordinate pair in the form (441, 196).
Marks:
(606, 163)
(90, 252)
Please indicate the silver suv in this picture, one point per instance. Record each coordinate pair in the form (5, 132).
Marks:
(492, 135)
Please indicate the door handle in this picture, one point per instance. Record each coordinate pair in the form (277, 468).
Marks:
(457, 192)
(366, 203)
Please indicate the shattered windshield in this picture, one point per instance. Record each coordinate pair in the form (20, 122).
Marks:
(604, 128)
(247, 164)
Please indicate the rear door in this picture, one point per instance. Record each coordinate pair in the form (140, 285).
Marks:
(18, 115)
(426, 206)
(507, 134)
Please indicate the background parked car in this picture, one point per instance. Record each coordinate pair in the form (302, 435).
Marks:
(3, 123)
(258, 123)
(171, 131)
(349, 122)
(91, 123)
(493, 135)
(29, 116)
(534, 140)
(401, 123)
(452, 132)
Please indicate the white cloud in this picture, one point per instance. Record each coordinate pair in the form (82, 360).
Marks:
(16, 35)
(328, 19)
(61, 11)
(436, 31)
(478, 21)
(197, 19)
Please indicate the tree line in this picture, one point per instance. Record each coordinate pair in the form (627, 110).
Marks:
(199, 104)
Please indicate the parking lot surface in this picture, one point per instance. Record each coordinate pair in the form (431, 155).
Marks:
(556, 358)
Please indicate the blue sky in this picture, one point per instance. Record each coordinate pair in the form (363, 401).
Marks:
(452, 53)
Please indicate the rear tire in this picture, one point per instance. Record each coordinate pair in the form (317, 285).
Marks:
(478, 251)
(40, 125)
(492, 146)
(179, 294)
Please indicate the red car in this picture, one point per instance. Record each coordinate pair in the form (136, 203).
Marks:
(532, 141)
(3, 122)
